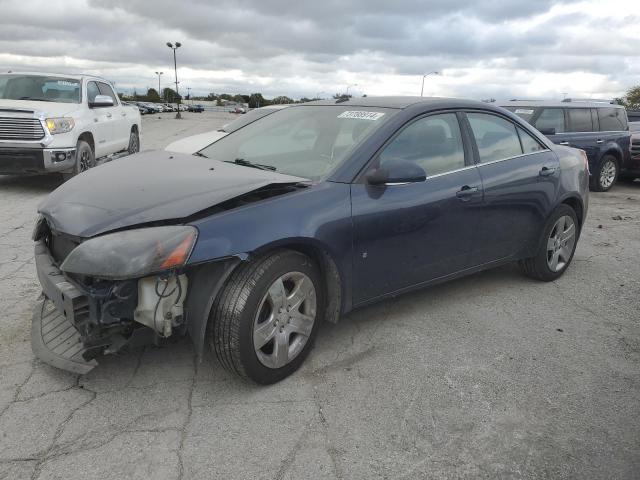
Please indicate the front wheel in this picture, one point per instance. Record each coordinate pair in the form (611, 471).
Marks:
(556, 246)
(85, 159)
(606, 175)
(134, 142)
(265, 319)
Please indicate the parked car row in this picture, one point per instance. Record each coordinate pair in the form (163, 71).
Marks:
(151, 107)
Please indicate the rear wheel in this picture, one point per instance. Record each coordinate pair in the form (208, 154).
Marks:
(85, 159)
(556, 246)
(265, 319)
(606, 175)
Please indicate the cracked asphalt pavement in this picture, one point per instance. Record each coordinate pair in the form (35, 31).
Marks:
(491, 376)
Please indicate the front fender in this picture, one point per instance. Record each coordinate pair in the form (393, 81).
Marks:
(206, 281)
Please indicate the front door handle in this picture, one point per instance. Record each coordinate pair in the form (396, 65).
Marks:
(599, 141)
(547, 171)
(123, 114)
(466, 192)
(109, 115)
(564, 143)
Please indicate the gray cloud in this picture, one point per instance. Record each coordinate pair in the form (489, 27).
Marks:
(299, 48)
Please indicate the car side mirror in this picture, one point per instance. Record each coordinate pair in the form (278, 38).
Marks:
(548, 131)
(396, 170)
(101, 101)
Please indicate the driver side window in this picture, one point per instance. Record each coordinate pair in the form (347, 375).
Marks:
(434, 143)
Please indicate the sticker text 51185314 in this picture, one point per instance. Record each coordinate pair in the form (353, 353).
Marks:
(361, 115)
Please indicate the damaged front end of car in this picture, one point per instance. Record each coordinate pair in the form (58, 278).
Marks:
(126, 288)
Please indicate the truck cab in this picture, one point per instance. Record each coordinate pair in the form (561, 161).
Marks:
(57, 123)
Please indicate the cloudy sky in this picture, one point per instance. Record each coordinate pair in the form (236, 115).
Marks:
(501, 49)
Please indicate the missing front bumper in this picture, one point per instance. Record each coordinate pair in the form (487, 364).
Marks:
(55, 340)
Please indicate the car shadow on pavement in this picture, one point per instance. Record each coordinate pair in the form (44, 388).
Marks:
(33, 184)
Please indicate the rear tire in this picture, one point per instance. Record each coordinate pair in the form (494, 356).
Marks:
(85, 159)
(606, 175)
(556, 246)
(265, 319)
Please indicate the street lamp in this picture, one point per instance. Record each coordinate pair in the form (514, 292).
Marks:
(175, 66)
(352, 85)
(318, 95)
(425, 75)
(159, 91)
(189, 94)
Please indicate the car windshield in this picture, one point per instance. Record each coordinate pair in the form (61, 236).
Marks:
(306, 141)
(247, 118)
(40, 88)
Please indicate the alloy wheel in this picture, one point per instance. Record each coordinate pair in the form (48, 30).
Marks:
(285, 320)
(84, 161)
(560, 243)
(607, 174)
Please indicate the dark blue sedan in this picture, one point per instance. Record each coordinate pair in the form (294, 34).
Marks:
(300, 217)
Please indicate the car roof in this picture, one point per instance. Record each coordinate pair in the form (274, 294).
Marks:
(402, 102)
(557, 104)
(74, 76)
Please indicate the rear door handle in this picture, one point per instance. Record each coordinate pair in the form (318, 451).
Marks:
(599, 141)
(466, 192)
(564, 143)
(547, 171)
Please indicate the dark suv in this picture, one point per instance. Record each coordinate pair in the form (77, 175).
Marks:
(600, 129)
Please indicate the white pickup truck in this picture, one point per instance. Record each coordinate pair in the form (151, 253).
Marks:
(52, 123)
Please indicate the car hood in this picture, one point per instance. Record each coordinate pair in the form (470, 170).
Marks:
(149, 187)
(195, 143)
(49, 109)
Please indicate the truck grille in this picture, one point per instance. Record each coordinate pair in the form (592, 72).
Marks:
(20, 129)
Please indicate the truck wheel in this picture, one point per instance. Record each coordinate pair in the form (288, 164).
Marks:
(265, 319)
(85, 160)
(556, 246)
(134, 142)
(606, 175)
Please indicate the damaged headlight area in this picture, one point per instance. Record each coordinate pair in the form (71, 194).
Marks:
(132, 253)
(113, 287)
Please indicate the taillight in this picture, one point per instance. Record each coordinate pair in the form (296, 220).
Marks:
(583, 154)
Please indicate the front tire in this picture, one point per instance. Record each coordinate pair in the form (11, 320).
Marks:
(606, 175)
(85, 159)
(134, 142)
(557, 245)
(264, 321)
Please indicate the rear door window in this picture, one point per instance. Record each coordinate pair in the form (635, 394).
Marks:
(612, 119)
(529, 144)
(580, 120)
(551, 118)
(496, 137)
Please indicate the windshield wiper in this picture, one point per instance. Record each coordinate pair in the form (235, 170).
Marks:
(247, 163)
(37, 99)
(198, 154)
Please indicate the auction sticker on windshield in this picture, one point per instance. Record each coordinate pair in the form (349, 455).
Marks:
(361, 115)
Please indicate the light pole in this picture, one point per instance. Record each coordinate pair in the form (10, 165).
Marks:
(175, 67)
(352, 85)
(425, 75)
(159, 91)
(189, 94)
(318, 95)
